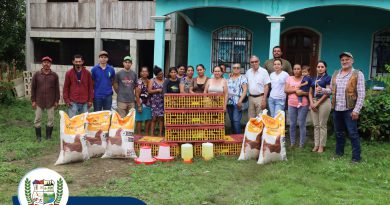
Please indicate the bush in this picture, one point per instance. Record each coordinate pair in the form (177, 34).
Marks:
(374, 121)
(6, 94)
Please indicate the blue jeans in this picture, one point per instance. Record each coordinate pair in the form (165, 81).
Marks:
(275, 105)
(343, 121)
(298, 114)
(77, 108)
(104, 103)
(235, 116)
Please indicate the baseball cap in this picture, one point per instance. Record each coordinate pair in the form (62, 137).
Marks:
(346, 54)
(47, 58)
(103, 53)
(128, 58)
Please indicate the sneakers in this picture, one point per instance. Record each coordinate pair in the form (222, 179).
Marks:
(315, 149)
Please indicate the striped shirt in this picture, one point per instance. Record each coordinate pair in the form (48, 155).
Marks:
(341, 82)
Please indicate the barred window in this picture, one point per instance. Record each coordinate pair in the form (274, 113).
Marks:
(381, 53)
(232, 44)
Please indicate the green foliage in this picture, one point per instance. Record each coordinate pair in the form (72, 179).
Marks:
(374, 123)
(6, 94)
(385, 79)
(12, 31)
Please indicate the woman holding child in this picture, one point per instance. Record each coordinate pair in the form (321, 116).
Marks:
(297, 113)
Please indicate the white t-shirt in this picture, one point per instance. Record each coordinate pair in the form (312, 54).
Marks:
(257, 80)
(277, 84)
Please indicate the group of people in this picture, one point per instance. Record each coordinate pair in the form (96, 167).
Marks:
(260, 88)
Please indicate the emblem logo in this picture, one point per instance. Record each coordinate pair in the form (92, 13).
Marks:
(43, 186)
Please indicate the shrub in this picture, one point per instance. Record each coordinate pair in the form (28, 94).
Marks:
(6, 94)
(374, 121)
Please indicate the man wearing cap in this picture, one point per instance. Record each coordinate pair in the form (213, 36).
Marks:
(277, 53)
(103, 76)
(45, 94)
(78, 88)
(124, 84)
(348, 92)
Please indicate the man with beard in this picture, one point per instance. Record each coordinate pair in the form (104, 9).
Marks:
(277, 53)
(78, 88)
(45, 94)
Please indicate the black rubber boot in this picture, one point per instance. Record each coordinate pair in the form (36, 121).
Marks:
(49, 130)
(38, 134)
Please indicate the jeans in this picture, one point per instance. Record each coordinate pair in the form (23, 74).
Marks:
(343, 121)
(104, 103)
(235, 116)
(298, 114)
(77, 108)
(275, 105)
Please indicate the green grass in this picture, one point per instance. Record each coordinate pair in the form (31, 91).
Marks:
(306, 178)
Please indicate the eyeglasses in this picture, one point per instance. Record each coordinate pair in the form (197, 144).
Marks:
(254, 61)
(236, 67)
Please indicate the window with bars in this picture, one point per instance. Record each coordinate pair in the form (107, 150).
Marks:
(381, 53)
(232, 44)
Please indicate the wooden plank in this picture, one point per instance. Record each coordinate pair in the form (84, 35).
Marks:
(128, 19)
(38, 15)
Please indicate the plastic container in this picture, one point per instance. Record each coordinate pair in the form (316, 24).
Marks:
(145, 156)
(207, 151)
(164, 153)
(187, 153)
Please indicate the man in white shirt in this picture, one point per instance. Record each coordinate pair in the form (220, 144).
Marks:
(258, 87)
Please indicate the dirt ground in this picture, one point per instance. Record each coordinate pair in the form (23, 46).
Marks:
(80, 175)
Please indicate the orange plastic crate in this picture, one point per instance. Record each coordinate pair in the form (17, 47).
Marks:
(195, 134)
(194, 117)
(154, 143)
(194, 101)
(231, 146)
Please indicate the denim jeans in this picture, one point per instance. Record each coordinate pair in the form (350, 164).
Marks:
(343, 121)
(275, 105)
(77, 108)
(235, 116)
(104, 103)
(298, 114)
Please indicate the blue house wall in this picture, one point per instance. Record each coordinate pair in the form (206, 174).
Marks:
(342, 28)
(343, 25)
(210, 19)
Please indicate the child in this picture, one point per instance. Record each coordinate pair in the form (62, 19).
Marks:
(305, 84)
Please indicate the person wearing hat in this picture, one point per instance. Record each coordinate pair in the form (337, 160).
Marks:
(78, 88)
(124, 84)
(103, 76)
(45, 95)
(348, 90)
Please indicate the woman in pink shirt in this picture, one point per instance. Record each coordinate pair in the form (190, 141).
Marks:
(296, 113)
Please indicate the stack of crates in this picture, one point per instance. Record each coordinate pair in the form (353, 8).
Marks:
(27, 78)
(194, 118)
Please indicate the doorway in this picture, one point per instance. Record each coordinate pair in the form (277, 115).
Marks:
(301, 46)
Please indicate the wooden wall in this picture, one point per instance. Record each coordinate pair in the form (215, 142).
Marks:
(134, 15)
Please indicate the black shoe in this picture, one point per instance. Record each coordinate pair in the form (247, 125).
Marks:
(38, 134)
(49, 130)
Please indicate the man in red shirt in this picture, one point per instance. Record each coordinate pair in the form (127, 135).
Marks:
(78, 88)
(45, 94)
